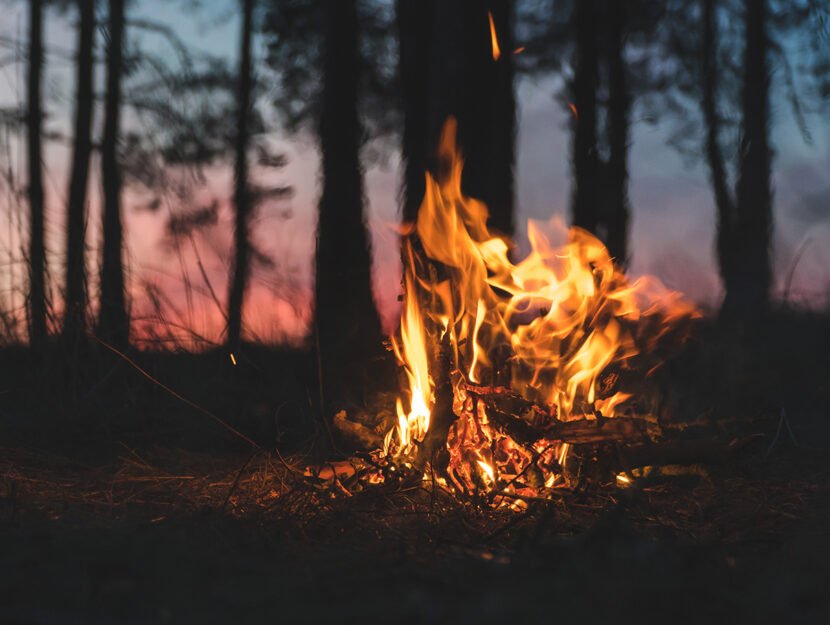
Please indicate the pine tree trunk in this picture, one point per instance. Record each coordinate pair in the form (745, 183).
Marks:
(242, 198)
(113, 325)
(346, 320)
(619, 107)
(75, 312)
(724, 204)
(470, 85)
(415, 19)
(501, 126)
(585, 198)
(747, 299)
(37, 254)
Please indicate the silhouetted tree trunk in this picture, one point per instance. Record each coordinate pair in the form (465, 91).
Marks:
(415, 20)
(75, 313)
(113, 325)
(37, 254)
(346, 321)
(501, 124)
(242, 197)
(619, 106)
(747, 298)
(586, 166)
(469, 84)
(724, 203)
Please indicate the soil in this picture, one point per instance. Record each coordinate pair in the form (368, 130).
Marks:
(177, 537)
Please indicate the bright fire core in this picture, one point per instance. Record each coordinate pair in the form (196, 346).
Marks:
(546, 328)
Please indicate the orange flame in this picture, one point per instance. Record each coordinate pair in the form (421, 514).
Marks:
(414, 423)
(565, 314)
(493, 39)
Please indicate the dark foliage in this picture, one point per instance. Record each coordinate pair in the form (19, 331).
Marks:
(295, 32)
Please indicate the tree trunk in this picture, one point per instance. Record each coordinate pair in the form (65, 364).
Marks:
(415, 19)
(619, 107)
(242, 198)
(501, 125)
(74, 320)
(585, 200)
(113, 325)
(747, 298)
(346, 320)
(37, 254)
(470, 85)
(724, 204)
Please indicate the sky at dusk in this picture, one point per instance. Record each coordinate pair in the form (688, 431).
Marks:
(672, 228)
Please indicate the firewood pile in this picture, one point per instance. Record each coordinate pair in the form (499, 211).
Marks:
(602, 451)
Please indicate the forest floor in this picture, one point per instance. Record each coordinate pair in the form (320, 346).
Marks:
(100, 527)
(178, 537)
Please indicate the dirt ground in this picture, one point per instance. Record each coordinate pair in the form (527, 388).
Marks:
(180, 538)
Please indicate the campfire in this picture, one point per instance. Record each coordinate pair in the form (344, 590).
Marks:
(516, 372)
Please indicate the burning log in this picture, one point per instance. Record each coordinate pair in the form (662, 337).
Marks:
(577, 432)
(514, 416)
(357, 434)
(442, 415)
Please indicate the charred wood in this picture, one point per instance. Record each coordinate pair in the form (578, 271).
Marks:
(433, 448)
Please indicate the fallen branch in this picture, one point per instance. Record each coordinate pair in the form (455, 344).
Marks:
(577, 432)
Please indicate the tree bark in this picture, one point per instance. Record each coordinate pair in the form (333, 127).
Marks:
(346, 321)
(242, 198)
(113, 324)
(724, 203)
(748, 296)
(501, 126)
(415, 20)
(37, 253)
(470, 85)
(74, 320)
(585, 199)
(619, 107)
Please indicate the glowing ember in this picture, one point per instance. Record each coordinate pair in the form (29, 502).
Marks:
(493, 38)
(547, 327)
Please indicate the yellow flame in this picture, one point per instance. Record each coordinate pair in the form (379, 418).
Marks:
(488, 470)
(563, 453)
(476, 350)
(414, 422)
